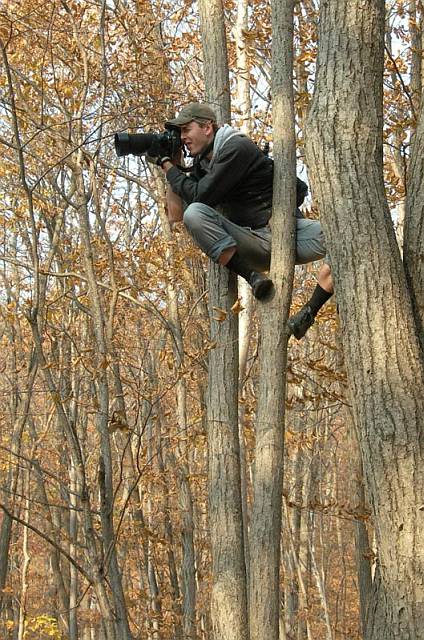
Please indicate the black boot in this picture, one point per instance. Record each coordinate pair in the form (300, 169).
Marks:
(300, 322)
(261, 285)
(304, 319)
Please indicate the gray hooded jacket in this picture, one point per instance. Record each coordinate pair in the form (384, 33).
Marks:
(237, 179)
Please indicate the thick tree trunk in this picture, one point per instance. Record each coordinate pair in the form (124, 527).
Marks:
(382, 352)
(265, 531)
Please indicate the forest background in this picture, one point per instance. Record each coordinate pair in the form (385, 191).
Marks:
(105, 332)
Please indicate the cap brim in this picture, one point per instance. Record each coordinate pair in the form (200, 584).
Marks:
(178, 122)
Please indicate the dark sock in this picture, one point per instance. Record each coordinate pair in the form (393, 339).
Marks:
(238, 266)
(319, 297)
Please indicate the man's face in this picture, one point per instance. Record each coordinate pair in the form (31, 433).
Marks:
(196, 137)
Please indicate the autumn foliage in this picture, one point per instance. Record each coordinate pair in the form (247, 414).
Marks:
(105, 337)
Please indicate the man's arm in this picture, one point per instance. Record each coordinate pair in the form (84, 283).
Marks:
(174, 204)
(228, 170)
(175, 208)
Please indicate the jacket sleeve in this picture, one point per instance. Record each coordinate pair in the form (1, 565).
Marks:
(228, 169)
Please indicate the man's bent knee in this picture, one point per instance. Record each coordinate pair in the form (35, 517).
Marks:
(191, 217)
(197, 215)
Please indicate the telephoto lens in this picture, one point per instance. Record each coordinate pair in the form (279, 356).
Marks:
(133, 143)
(166, 143)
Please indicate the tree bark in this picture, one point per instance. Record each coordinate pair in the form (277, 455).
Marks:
(188, 565)
(362, 542)
(229, 593)
(414, 226)
(20, 415)
(102, 418)
(26, 560)
(416, 30)
(215, 60)
(245, 319)
(382, 352)
(228, 599)
(265, 531)
(244, 103)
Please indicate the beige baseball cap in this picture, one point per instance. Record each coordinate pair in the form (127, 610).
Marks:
(193, 111)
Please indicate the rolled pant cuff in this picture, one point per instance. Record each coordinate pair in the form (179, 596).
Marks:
(221, 245)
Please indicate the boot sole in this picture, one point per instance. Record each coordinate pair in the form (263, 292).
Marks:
(296, 331)
(263, 289)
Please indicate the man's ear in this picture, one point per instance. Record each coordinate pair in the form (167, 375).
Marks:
(209, 128)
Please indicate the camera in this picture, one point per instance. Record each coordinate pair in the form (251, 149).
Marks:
(166, 143)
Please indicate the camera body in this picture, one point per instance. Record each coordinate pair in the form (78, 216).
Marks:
(166, 143)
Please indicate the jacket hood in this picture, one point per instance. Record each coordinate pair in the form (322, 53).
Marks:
(224, 133)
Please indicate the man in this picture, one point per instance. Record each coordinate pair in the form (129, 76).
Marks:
(232, 174)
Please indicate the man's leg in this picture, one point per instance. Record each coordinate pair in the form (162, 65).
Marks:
(239, 249)
(310, 246)
(226, 256)
(301, 321)
(262, 286)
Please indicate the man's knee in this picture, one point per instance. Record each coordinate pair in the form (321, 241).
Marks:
(196, 216)
(190, 217)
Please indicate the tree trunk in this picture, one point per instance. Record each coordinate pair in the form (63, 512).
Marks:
(318, 573)
(244, 107)
(265, 531)
(228, 600)
(228, 596)
(19, 416)
(414, 227)
(73, 540)
(102, 388)
(243, 67)
(362, 542)
(26, 560)
(188, 565)
(215, 63)
(382, 352)
(416, 30)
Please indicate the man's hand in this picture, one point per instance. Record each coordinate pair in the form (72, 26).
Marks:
(159, 154)
(159, 161)
(178, 158)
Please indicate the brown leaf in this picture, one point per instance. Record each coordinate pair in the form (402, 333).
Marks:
(221, 314)
(237, 307)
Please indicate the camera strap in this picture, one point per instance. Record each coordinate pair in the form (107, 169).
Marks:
(184, 169)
